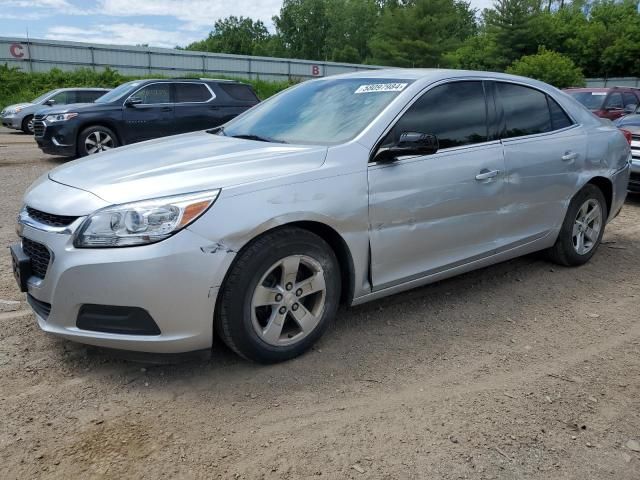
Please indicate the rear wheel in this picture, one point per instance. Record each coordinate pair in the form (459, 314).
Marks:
(27, 124)
(582, 229)
(280, 296)
(95, 140)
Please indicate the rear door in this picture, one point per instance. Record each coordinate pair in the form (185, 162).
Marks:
(153, 117)
(195, 107)
(544, 150)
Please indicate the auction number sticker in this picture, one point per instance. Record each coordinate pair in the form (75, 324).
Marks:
(381, 87)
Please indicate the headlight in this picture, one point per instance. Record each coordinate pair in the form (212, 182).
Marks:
(60, 117)
(141, 223)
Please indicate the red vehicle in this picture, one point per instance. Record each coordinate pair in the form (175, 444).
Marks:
(607, 102)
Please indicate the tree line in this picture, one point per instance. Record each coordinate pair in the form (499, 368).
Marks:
(559, 41)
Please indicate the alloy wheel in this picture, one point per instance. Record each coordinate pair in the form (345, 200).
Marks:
(587, 226)
(98, 141)
(30, 125)
(289, 300)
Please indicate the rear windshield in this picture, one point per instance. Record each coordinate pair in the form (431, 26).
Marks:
(591, 100)
(242, 93)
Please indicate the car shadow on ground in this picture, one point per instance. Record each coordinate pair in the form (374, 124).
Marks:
(425, 319)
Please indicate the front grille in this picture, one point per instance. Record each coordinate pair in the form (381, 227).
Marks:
(43, 309)
(49, 218)
(39, 255)
(38, 128)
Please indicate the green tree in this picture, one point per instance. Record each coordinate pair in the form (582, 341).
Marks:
(550, 67)
(419, 33)
(302, 27)
(237, 35)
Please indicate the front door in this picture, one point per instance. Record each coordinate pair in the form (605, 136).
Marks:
(152, 117)
(434, 212)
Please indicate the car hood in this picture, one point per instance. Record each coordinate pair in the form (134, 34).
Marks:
(79, 107)
(628, 121)
(16, 105)
(184, 163)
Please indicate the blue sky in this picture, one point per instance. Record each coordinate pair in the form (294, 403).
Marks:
(160, 23)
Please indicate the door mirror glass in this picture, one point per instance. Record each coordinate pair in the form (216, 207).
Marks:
(50, 102)
(133, 101)
(630, 108)
(409, 143)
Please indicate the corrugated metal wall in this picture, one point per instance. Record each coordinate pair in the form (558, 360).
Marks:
(614, 82)
(43, 55)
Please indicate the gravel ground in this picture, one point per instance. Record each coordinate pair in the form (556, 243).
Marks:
(523, 370)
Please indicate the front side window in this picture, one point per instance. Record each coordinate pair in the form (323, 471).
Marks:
(526, 111)
(62, 98)
(322, 112)
(456, 113)
(614, 101)
(88, 96)
(192, 92)
(154, 93)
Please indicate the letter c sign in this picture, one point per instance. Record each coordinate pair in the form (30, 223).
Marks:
(315, 70)
(16, 50)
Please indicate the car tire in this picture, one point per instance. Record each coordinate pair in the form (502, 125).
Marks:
(27, 125)
(96, 139)
(263, 312)
(582, 229)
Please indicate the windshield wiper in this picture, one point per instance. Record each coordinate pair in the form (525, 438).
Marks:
(217, 131)
(258, 138)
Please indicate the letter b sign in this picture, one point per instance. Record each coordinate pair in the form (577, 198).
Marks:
(315, 70)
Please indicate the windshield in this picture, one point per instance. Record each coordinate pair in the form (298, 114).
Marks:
(591, 100)
(117, 92)
(43, 96)
(324, 112)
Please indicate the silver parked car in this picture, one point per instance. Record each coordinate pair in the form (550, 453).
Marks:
(20, 115)
(342, 189)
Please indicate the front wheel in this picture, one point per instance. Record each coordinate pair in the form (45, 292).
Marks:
(582, 228)
(95, 140)
(280, 296)
(27, 124)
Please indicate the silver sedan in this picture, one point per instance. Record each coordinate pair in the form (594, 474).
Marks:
(342, 189)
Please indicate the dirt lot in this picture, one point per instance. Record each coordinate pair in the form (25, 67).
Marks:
(521, 370)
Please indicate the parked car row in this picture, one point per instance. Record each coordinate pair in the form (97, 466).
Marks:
(81, 122)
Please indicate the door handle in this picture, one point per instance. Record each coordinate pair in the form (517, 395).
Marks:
(569, 156)
(487, 174)
(166, 109)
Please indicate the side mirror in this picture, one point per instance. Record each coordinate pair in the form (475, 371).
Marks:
(630, 108)
(133, 101)
(50, 102)
(410, 143)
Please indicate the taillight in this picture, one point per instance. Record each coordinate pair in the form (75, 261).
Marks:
(627, 135)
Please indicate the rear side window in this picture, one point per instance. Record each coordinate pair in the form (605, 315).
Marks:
(559, 119)
(614, 100)
(629, 99)
(243, 93)
(192, 92)
(455, 112)
(154, 93)
(526, 111)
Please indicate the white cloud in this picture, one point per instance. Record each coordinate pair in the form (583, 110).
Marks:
(196, 14)
(123, 34)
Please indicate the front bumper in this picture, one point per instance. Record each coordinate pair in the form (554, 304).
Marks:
(56, 139)
(175, 281)
(11, 121)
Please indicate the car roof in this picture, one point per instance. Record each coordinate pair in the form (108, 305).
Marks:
(97, 89)
(188, 80)
(597, 89)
